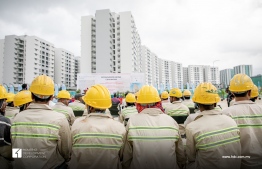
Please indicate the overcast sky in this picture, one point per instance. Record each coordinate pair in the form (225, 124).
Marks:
(187, 31)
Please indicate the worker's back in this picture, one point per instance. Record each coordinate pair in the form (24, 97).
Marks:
(211, 139)
(177, 109)
(97, 141)
(247, 115)
(77, 106)
(41, 131)
(155, 141)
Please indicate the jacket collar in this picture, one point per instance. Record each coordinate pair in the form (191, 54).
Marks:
(152, 111)
(39, 106)
(175, 102)
(60, 104)
(244, 102)
(99, 115)
(208, 112)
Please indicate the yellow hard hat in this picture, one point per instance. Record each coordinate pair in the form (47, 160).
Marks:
(175, 92)
(136, 93)
(206, 93)
(186, 93)
(10, 97)
(130, 98)
(63, 94)
(254, 92)
(148, 94)
(2, 92)
(240, 83)
(42, 85)
(22, 97)
(98, 96)
(164, 95)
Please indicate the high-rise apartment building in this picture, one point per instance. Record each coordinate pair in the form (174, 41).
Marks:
(225, 77)
(1, 59)
(156, 70)
(185, 75)
(147, 67)
(26, 57)
(177, 74)
(245, 69)
(64, 67)
(195, 74)
(110, 43)
(77, 67)
(165, 73)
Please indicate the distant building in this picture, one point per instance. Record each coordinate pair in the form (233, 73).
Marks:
(165, 73)
(185, 75)
(225, 77)
(177, 74)
(65, 67)
(77, 67)
(257, 80)
(110, 38)
(245, 69)
(25, 57)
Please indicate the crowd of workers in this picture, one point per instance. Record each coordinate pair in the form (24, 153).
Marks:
(147, 134)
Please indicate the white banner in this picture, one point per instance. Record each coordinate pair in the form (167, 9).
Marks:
(115, 82)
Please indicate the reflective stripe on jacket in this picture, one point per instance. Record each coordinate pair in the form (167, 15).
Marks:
(248, 116)
(128, 112)
(10, 112)
(153, 141)
(77, 105)
(97, 142)
(67, 111)
(188, 103)
(177, 109)
(211, 138)
(39, 129)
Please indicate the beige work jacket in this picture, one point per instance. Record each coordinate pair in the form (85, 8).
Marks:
(177, 108)
(77, 105)
(153, 142)
(211, 140)
(188, 103)
(97, 142)
(41, 131)
(248, 116)
(165, 103)
(11, 112)
(67, 111)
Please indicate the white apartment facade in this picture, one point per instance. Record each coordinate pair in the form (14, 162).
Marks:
(1, 59)
(185, 75)
(195, 74)
(64, 67)
(26, 57)
(244, 69)
(77, 67)
(225, 77)
(165, 73)
(147, 66)
(177, 74)
(110, 43)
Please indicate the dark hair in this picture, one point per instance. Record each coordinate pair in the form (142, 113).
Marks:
(114, 94)
(78, 96)
(10, 104)
(24, 86)
(130, 104)
(253, 99)
(1, 104)
(164, 98)
(37, 99)
(187, 97)
(240, 94)
(207, 107)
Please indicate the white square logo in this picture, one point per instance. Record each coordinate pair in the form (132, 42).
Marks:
(17, 153)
